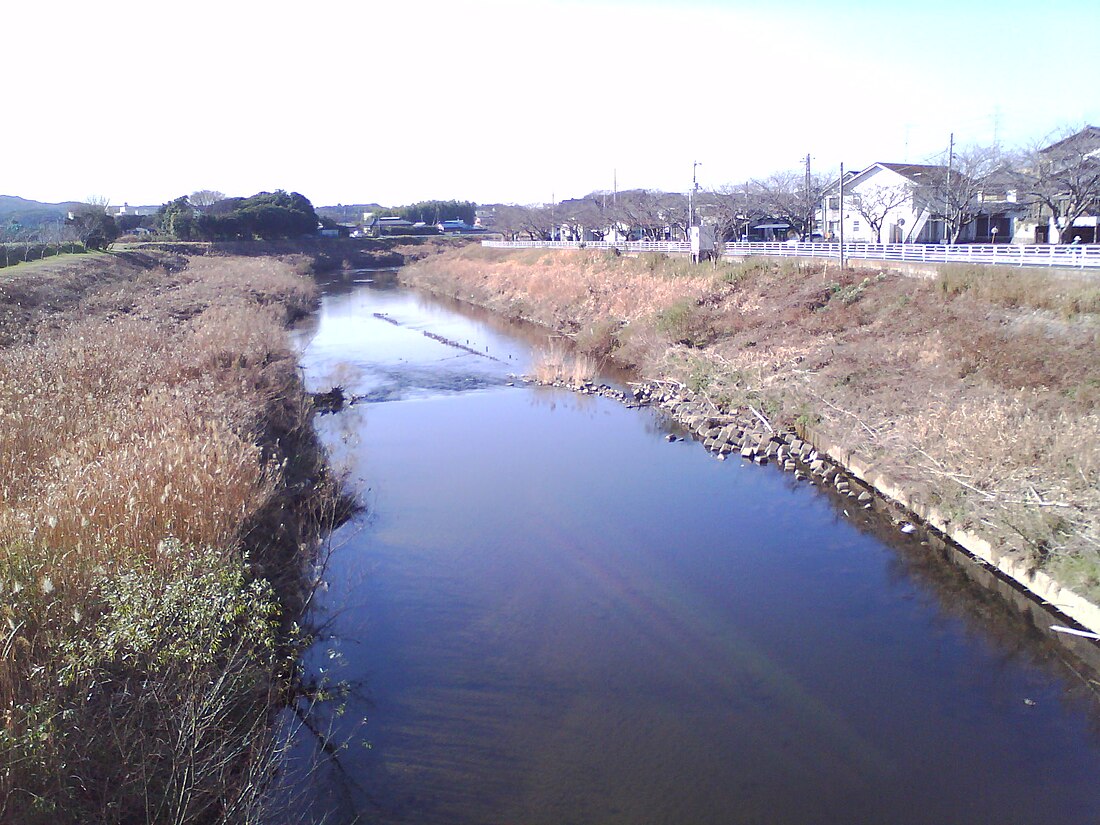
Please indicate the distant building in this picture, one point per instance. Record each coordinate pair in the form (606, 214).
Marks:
(893, 189)
(451, 227)
(126, 209)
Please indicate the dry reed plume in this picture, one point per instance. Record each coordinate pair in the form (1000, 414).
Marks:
(558, 362)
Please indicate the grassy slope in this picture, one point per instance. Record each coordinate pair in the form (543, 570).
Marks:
(977, 390)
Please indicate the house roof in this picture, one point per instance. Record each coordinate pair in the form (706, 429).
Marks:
(916, 172)
(1090, 134)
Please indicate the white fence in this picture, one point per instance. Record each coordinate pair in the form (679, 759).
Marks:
(1073, 256)
(623, 246)
(1084, 256)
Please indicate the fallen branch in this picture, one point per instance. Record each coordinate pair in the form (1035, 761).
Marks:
(763, 420)
(873, 433)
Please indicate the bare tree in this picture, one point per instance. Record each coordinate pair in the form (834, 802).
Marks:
(639, 211)
(876, 202)
(732, 209)
(513, 221)
(96, 204)
(1063, 179)
(583, 215)
(203, 199)
(782, 195)
(953, 189)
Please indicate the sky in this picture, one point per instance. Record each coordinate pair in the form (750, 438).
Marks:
(522, 101)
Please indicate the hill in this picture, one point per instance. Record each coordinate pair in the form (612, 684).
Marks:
(19, 215)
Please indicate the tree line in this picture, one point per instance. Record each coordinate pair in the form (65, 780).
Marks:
(265, 216)
(204, 215)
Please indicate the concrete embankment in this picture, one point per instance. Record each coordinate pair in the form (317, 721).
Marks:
(966, 399)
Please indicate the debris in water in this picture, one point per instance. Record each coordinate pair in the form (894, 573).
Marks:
(1075, 632)
(1029, 702)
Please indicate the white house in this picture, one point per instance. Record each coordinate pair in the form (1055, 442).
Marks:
(882, 204)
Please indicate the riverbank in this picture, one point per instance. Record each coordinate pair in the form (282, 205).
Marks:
(974, 393)
(161, 491)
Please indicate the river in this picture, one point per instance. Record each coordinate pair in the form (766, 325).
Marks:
(548, 613)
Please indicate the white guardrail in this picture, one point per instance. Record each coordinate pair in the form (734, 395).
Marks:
(623, 246)
(1071, 256)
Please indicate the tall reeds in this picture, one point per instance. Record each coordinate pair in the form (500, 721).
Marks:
(556, 362)
(137, 655)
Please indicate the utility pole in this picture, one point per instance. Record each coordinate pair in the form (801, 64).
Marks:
(947, 188)
(842, 216)
(809, 205)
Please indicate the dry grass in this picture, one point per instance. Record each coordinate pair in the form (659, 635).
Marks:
(978, 389)
(1012, 287)
(560, 363)
(139, 424)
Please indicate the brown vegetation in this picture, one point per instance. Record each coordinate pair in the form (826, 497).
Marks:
(977, 389)
(153, 426)
(557, 363)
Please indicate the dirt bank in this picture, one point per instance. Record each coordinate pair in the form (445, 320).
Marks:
(973, 393)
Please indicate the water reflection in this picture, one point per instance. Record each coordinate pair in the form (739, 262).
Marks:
(561, 617)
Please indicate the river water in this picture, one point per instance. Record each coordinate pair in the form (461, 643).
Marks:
(550, 614)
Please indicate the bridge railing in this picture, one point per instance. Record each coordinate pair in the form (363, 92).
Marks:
(1072, 256)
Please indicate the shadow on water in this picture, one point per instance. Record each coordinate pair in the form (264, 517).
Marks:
(557, 616)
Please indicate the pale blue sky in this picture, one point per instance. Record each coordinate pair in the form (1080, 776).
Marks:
(517, 101)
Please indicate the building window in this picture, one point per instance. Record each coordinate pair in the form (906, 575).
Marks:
(855, 226)
(833, 202)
